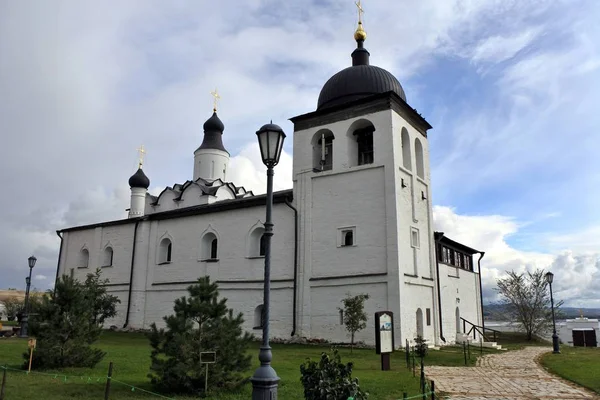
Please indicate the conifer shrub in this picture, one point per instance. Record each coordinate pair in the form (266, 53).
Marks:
(201, 323)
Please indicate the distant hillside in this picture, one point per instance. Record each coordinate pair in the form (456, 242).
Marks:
(494, 312)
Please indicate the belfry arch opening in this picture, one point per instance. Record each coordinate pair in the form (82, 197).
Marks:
(360, 143)
(322, 144)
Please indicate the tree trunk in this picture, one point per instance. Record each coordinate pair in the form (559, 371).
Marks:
(351, 342)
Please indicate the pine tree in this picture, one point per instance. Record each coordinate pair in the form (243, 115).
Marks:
(68, 320)
(201, 323)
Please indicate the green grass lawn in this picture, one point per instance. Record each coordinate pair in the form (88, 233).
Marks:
(577, 364)
(130, 353)
(9, 323)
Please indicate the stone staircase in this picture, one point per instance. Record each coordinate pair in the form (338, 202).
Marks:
(462, 338)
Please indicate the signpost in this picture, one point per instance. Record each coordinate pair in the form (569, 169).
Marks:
(31, 343)
(207, 357)
(384, 337)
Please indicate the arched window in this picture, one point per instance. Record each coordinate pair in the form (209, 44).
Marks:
(406, 159)
(84, 258)
(259, 317)
(263, 245)
(419, 159)
(360, 143)
(322, 144)
(165, 251)
(210, 247)
(107, 257)
(419, 322)
(257, 242)
(348, 238)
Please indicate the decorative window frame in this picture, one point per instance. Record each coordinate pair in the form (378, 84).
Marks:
(253, 240)
(103, 255)
(79, 261)
(341, 233)
(158, 260)
(205, 250)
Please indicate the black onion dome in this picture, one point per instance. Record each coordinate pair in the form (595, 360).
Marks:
(213, 132)
(358, 81)
(139, 180)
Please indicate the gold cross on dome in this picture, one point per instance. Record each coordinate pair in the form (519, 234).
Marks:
(141, 151)
(360, 11)
(216, 97)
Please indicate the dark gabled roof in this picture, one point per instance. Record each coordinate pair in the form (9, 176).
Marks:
(454, 244)
(224, 205)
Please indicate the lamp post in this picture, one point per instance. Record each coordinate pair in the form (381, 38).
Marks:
(265, 379)
(25, 318)
(555, 346)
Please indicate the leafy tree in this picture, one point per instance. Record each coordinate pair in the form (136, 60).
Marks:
(13, 305)
(202, 322)
(68, 320)
(329, 379)
(355, 317)
(526, 301)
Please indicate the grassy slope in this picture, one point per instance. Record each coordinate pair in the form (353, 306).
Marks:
(131, 356)
(577, 364)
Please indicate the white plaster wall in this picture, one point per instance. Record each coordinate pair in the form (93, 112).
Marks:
(461, 292)
(326, 299)
(417, 294)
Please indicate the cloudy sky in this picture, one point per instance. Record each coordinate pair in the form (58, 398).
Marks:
(511, 88)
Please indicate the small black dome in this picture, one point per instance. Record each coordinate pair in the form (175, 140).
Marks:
(214, 123)
(139, 180)
(213, 134)
(357, 82)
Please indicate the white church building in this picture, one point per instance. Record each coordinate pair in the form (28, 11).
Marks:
(357, 220)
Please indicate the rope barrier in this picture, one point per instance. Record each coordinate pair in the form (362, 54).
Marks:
(89, 379)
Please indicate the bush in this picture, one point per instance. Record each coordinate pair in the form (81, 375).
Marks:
(201, 323)
(329, 379)
(68, 321)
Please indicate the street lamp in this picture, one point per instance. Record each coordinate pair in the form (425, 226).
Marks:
(555, 346)
(25, 318)
(265, 379)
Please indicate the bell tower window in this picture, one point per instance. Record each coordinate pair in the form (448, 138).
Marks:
(323, 151)
(364, 138)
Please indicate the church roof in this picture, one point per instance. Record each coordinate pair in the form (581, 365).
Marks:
(206, 187)
(221, 206)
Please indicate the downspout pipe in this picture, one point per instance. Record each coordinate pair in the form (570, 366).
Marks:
(135, 230)
(287, 202)
(481, 254)
(439, 290)
(59, 258)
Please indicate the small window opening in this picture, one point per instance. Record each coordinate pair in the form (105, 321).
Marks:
(341, 317)
(428, 316)
(348, 238)
(263, 245)
(213, 248)
(364, 138)
(259, 317)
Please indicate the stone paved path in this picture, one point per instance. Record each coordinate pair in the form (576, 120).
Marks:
(510, 375)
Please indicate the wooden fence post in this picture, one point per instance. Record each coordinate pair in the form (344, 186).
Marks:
(432, 390)
(404, 395)
(108, 379)
(469, 350)
(3, 384)
(465, 351)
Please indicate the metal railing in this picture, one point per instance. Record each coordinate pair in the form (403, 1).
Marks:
(478, 329)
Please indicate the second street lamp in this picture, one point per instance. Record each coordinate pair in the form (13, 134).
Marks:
(555, 345)
(265, 379)
(25, 318)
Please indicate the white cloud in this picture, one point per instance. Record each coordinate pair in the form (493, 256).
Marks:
(40, 277)
(496, 49)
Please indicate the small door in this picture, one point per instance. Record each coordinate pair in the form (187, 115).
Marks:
(589, 338)
(578, 338)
